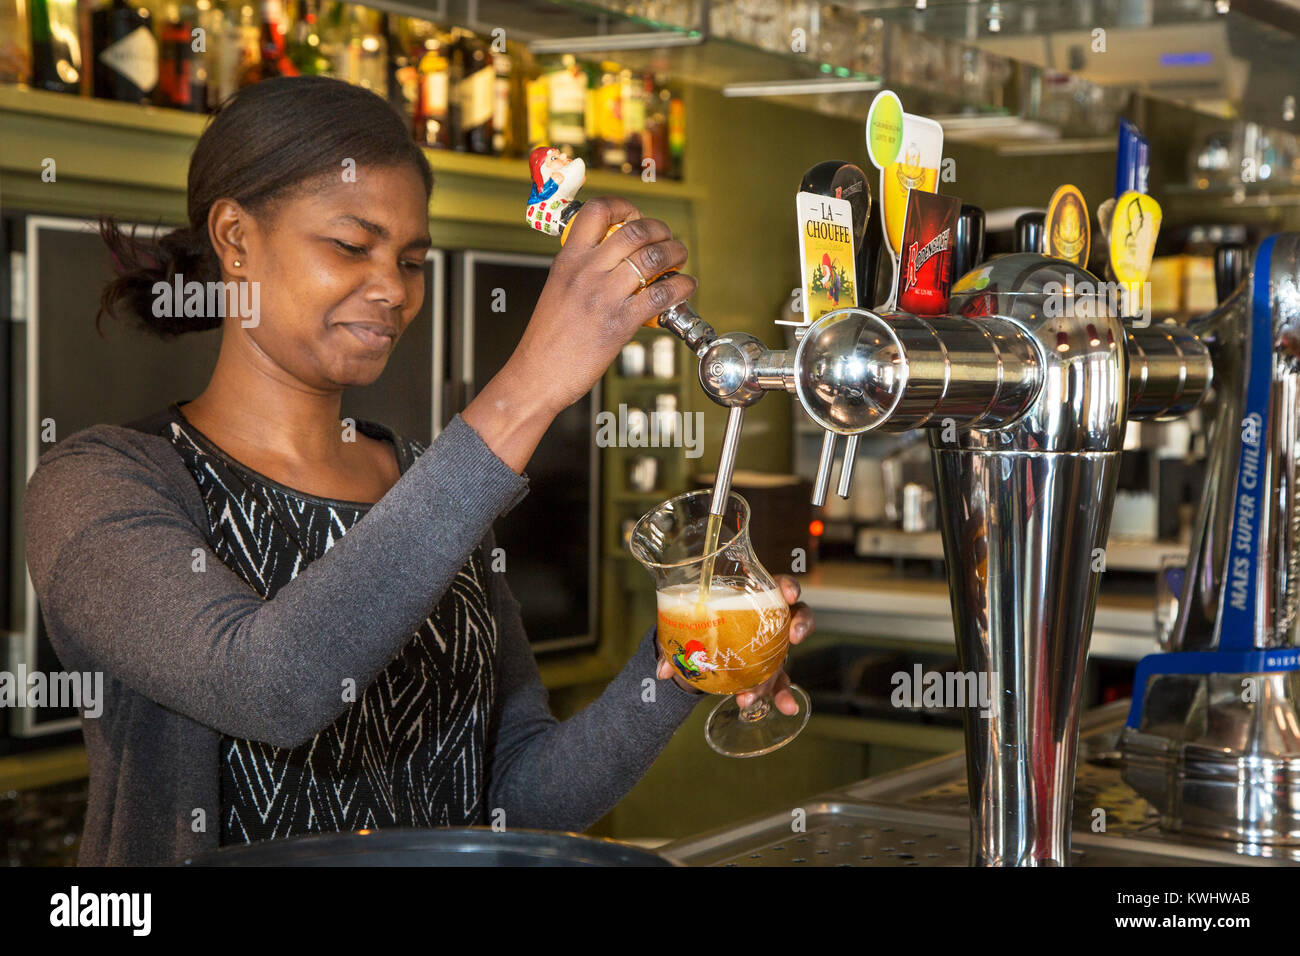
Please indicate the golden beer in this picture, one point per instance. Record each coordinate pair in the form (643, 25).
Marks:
(727, 642)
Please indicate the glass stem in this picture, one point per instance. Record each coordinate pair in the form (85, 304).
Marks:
(757, 709)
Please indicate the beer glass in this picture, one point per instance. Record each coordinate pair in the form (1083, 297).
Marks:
(727, 637)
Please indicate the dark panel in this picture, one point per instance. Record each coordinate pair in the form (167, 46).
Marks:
(548, 536)
(85, 379)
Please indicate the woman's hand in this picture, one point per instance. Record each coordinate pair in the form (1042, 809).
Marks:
(801, 625)
(588, 310)
(592, 304)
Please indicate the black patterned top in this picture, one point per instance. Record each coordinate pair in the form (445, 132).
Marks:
(407, 750)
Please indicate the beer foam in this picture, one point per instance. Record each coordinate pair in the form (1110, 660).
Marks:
(722, 597)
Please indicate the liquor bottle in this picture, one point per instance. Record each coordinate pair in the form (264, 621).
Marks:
(592, 70)
(334, 38)
(656, 127)
(676, 137)
(473, 89)
(15, 63)
(126, 53)
(537, 111)
(303, 44)
(272, 42)
(609, 151)
(567, 109)
(372, 58)
(56, 50)
(182, 78)
(221, 23)
(248, 44)
(433, 104)
(504, 134)
(634, 121)
(405, 48)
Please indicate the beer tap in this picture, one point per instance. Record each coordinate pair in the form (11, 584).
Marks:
(842, 181)
(1212, 740)
(1025, 388)
(552, 209)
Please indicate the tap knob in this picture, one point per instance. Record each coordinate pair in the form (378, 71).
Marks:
(1030, 229)
(552, 209)
(968, 243)
(1229, 268)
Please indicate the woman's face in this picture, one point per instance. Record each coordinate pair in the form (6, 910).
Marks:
(340, 267)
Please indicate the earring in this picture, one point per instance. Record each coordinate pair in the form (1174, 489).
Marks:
(237, 263)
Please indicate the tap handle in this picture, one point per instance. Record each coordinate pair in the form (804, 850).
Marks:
(823, 482)
(846, 466)
(968, 244)
(1229, 268)
(552, 209)
(1030, 229)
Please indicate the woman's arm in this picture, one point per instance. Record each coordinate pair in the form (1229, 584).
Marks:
(127, 580)
(548, 774)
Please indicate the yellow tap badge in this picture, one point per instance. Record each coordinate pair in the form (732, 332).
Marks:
(917, 167)
(1069, 233)
(826, 254)
(1134, 226)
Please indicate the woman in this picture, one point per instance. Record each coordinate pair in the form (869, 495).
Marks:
(275, 665)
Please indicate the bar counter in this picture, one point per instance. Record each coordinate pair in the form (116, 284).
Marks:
(918, 816)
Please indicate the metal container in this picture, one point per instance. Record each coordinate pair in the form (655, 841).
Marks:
(454, 846)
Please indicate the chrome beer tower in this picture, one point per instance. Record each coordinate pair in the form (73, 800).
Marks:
(1213, 736)
(1025, 391)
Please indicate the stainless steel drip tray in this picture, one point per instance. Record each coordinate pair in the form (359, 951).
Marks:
(846, 833)
(918, 817)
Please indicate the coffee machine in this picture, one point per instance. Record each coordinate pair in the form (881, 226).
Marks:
(1212, 740)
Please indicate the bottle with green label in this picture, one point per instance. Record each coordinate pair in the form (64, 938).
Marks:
(567, 108)
(56, 52)
(304, 44)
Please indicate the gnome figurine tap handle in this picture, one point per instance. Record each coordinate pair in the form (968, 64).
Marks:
(552, 208)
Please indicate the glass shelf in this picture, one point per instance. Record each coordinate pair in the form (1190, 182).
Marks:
(1042, 61)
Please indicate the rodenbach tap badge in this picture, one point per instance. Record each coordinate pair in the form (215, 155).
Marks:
(925, 280)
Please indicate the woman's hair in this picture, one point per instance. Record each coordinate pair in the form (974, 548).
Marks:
(263, 143)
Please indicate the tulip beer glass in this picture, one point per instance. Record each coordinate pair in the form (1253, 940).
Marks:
(723, 622)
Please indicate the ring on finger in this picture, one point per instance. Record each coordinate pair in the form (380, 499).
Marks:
(639, 274)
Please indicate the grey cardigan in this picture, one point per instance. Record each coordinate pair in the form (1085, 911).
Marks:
(113, 521)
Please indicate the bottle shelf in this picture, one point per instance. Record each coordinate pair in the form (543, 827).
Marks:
(88, 112)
